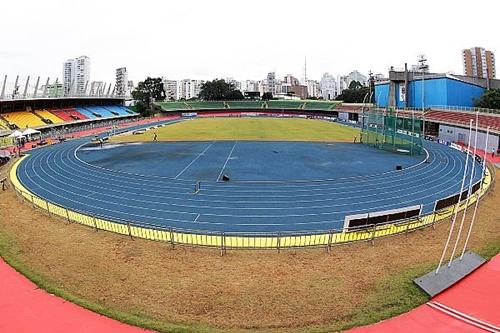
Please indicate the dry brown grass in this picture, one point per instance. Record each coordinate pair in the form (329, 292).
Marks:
(255, 290)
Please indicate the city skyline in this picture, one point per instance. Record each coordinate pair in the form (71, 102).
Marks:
(217, 40)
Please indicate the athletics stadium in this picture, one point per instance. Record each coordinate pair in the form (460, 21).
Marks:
(293, 180)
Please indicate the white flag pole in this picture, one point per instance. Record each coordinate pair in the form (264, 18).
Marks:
(468, 195)
(458, 203)
(478, 194)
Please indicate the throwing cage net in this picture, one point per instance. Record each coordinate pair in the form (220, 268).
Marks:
(388, 130)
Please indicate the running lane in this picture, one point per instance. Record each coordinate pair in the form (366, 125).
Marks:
(57, 174)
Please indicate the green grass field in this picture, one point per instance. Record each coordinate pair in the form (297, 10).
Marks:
(268, 129)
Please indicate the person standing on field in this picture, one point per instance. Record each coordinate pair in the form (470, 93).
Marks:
(155, 137)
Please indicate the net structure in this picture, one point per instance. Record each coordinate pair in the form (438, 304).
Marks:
(388, 130)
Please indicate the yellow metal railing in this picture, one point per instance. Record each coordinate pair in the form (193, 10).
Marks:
(248, 241)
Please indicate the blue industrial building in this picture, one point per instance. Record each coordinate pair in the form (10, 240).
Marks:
(404, 89)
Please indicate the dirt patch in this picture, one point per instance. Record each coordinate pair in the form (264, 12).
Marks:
(244, 290)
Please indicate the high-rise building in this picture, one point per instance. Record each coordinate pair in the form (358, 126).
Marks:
(170, 87)
(76, 75)
(121, 81)
(313, 89)
(328, 86)
(356, 76)
(187, 89)
(270, 83)
(479, 62)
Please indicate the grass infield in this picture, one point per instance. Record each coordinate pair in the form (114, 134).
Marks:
(265, 129)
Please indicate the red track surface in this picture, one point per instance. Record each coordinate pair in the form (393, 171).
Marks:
(476, 299)
(26, 309)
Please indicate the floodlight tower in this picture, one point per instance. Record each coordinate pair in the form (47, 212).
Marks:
(423, 68)
(305, 71)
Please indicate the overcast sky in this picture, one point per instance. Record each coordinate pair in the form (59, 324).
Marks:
(241, 39)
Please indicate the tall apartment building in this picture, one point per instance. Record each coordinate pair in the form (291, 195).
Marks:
(328, 86)
(356, 76)
(313, 88)
(479, 62)
(249, 85)
(184, 89)
(121, 82)
(76, 75)
(170, 87)
(270, 85)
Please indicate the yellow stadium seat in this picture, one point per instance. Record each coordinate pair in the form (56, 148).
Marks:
(47, 115)
(23, 119)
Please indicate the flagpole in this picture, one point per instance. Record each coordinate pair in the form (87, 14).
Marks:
(478, 194)
(458, 203)
(468, 195)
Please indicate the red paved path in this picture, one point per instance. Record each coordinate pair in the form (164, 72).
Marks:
(26, 309)
(476, 296)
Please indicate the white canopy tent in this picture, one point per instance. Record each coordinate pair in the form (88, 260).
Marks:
(15, 134)
(30, 133)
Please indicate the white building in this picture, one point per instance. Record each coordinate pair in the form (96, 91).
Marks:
(356, 76)
(187, 88)
(121, 82)
(270, 83)
(249, 85)
(313, 88)
(328, 86)
(170, 87)
(76, 75)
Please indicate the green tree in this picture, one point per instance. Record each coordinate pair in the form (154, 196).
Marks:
(489, 100)
(267, 96)
(147, 92)
(355, 85)
(356, 93)
(218, 90)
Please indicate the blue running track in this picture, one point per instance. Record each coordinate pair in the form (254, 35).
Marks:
(267, 196)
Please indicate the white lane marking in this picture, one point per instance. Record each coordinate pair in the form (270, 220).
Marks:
(197, 217)
(227, 159)
(196, 158)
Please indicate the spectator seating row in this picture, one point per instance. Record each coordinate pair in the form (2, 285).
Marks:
(245, 104)
(250, 104)
(206, 105)
(23, 119)
(43, 117)
(463, 118)
(280, 104)
(45, 114)
(320, 105)
(68, 114)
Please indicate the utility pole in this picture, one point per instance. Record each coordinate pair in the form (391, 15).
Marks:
(424, 68)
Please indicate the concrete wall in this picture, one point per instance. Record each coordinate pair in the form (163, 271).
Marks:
(457, 134)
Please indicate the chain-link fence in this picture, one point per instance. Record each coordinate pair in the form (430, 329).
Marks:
(385, 130)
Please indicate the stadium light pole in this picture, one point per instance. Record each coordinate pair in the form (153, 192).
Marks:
(457, 204)
(478, 194)
(468, 196)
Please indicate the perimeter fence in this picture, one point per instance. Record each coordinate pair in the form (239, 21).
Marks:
(268, 240)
